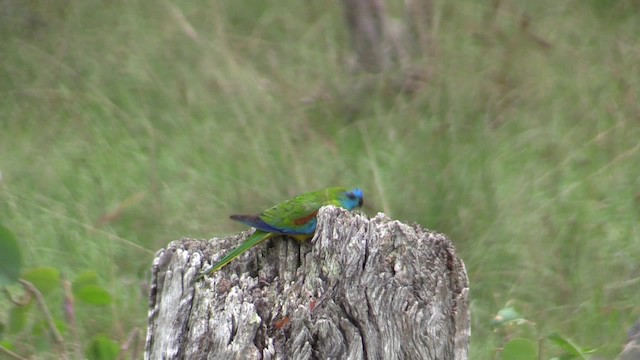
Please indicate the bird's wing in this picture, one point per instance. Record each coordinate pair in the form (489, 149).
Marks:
(254, 221)
(297, 215)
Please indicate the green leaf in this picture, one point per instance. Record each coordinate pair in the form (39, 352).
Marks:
(571, 349)
(95, 295)
(10, 257)
(102, 348)
(45, 279)
(7, 345)
(41, 328)
(18, 318)
(83, 279)
(520, 349)
(41, 339)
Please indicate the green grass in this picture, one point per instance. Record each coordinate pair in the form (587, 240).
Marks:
(120, 132)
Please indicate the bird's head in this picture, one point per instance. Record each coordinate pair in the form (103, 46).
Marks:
(351, 199)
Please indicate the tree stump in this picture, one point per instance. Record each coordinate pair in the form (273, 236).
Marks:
(365, 289)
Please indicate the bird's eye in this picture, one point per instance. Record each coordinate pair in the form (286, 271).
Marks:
(351, 196)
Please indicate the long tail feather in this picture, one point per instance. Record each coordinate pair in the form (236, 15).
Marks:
(255, 239)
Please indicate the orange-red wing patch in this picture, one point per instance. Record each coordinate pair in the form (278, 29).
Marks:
(306, 219)
(282, 322)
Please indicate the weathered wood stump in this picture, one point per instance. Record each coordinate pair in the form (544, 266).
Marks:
(366, 289)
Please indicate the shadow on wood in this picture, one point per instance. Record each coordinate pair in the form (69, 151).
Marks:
(366, 289)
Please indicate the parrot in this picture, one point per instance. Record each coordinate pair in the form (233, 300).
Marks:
(295, 217)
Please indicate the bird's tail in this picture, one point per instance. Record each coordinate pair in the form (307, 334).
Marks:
(256, 238)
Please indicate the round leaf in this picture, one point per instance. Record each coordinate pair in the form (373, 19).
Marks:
(45, 279)
(7, 345)
(41, 328)
(10, 257)
(102, 348)
(520, 349)
(41, 337)
(18, 318)
(83, 279)
(95, 295)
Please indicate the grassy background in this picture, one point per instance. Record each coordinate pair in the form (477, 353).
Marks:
(125, 125)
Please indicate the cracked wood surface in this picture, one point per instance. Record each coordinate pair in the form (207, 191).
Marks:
(365, 289)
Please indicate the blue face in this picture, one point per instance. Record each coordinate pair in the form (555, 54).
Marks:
(352, 199)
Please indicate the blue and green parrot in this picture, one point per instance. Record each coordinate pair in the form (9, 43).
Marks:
(295, 217)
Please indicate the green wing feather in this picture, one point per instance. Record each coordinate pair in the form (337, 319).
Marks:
(253, 240)
(286, 214)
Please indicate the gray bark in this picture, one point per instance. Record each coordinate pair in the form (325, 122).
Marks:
(365, 289)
